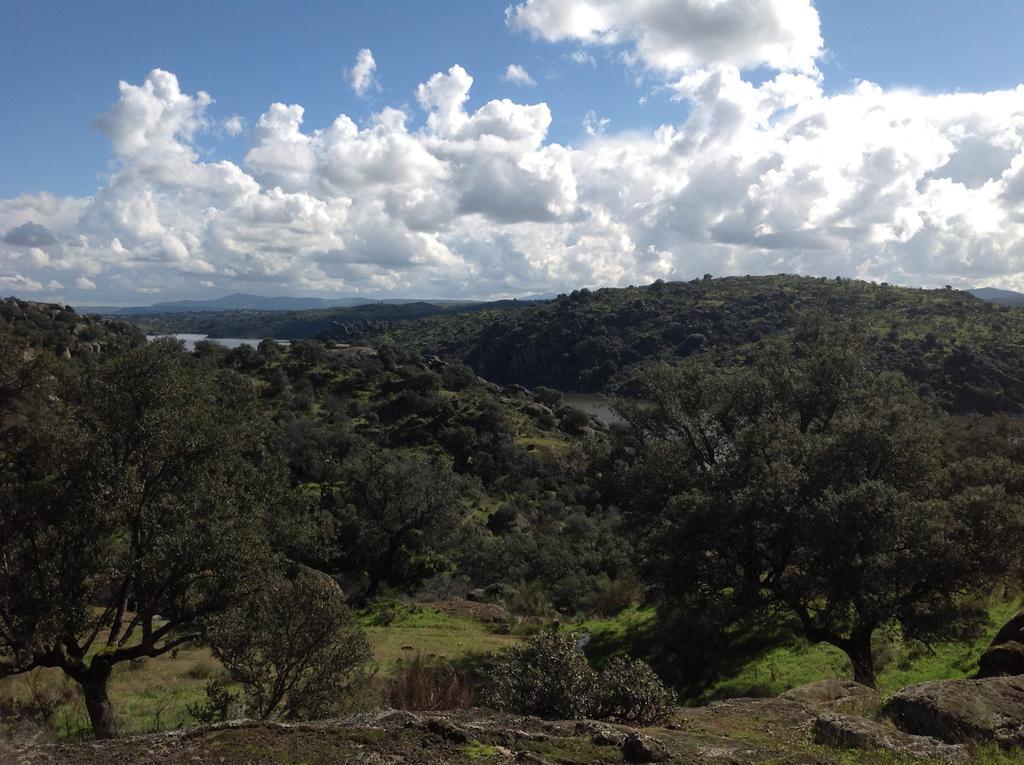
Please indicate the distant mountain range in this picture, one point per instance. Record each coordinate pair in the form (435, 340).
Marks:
(994, 295)
(243, 302)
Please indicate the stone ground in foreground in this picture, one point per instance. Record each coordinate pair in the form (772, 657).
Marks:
(738, 731)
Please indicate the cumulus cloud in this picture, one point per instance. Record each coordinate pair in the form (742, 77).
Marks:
(679, 35)
(448, 199)
(517, 75)
(361, 75)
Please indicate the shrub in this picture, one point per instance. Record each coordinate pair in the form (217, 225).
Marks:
(547, 676)
(219, 704)
(422, 687)
(629, 691)
(294, 646)
(529, 599)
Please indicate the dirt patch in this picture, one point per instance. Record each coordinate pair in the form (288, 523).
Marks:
(487, 613)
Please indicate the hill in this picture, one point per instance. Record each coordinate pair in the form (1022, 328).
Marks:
(1003, 297)
(60, 329)
(341, 321)
(966, 352)
(244, 302)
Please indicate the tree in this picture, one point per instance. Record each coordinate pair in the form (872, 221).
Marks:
(810, 487)
(293, 644)
(131, 507)
(394, 516)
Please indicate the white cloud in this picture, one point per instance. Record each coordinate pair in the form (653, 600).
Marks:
(680, 35)
(582, 57)
(361, 75)
(18, 283)
(594, 125)
(893, 185)
(234, 125)
(517, 75)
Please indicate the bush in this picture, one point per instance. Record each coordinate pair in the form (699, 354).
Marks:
(294, 646)
(547, 676)
(219, 704)
(529, 599)
(629, 691)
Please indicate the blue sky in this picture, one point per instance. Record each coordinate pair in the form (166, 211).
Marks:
(60, 64)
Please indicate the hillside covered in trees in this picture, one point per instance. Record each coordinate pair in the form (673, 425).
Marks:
(785, 485)
(965, 352)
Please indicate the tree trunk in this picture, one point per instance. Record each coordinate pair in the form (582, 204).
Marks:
(101, 713)
(858, 648)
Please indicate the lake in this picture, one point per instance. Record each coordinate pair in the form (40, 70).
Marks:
(228, 342)
(592, 403)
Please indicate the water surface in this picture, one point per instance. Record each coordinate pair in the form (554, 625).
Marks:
(190, 340)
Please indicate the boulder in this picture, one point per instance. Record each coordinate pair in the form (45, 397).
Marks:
(1005, 654)
(1003, 659)
(852, 732)
(539, 412)
(600, 734)
(637, 747)
(1013, 630)
(835, 694)
(957, 711)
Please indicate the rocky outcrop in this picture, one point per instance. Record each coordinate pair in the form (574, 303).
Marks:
(837, 695)
(955, 711)
(736, 731)
(853, 732)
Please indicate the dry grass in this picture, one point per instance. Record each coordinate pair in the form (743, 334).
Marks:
(421, 686)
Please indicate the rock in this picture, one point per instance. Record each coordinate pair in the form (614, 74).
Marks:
(852, 732)
(448, 730)
(956, 711)
(399, 719)
(1013, 631)
(599, 733)
(1005, 654)
(1003, 659)
(637, 747)
(835, 694)
(539, 412)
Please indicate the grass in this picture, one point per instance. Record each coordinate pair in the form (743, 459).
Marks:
(434, 635)
(545, 445)
(902, 664)
(156, 693)
(148, 696)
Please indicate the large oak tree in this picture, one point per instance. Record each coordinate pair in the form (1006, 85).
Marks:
(132, 498)
(808, 488)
